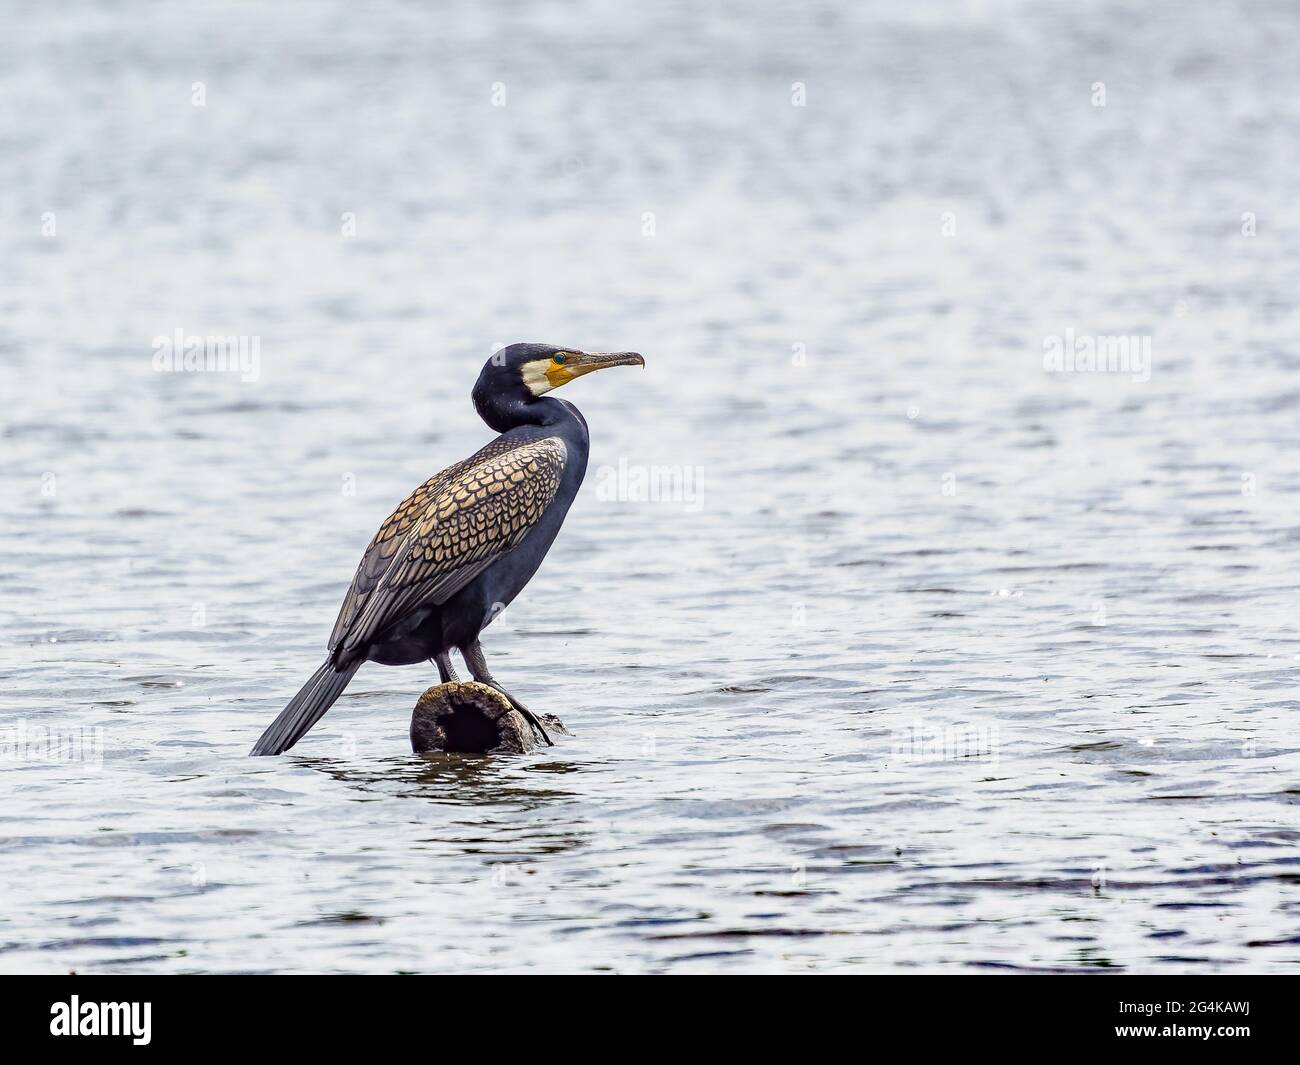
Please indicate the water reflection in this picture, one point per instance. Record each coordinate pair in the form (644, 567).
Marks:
(453, 779)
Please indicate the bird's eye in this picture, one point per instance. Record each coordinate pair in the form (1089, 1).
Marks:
(560, 358)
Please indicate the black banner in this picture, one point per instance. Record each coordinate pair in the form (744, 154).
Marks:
(216, 1013)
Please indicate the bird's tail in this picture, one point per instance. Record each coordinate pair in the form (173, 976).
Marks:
(305, 709)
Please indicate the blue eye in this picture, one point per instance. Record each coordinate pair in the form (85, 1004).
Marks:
(560, 358)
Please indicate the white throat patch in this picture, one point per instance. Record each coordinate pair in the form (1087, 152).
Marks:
(534, 375)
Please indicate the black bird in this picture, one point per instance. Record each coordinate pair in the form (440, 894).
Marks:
(463, 544)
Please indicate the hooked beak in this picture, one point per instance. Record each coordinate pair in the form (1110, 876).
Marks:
(598, 360)
(585, 362)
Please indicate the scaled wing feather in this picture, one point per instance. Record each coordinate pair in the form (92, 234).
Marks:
(446, 532)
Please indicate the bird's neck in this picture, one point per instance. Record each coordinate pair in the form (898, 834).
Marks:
(505, 412)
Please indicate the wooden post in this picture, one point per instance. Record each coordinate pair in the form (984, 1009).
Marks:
(471, 718)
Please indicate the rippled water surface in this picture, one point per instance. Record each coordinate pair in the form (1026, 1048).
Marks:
(944, 662)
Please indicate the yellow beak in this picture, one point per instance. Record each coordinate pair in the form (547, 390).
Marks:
(585, 362)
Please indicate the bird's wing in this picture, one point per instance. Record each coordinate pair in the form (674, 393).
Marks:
(447, 532)
(379, 554)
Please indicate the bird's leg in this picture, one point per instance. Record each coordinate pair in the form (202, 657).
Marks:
(446, 671)
(473, 655)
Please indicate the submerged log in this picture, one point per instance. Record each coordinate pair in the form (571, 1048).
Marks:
(471, 718)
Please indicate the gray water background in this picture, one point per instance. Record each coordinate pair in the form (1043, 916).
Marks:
(944, 662)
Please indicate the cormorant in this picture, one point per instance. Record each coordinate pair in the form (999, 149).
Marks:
(463, 544)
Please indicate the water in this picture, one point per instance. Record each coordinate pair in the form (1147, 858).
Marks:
(945, 662)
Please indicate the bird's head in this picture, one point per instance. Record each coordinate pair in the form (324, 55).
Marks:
(521, 373)
(543, 367)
